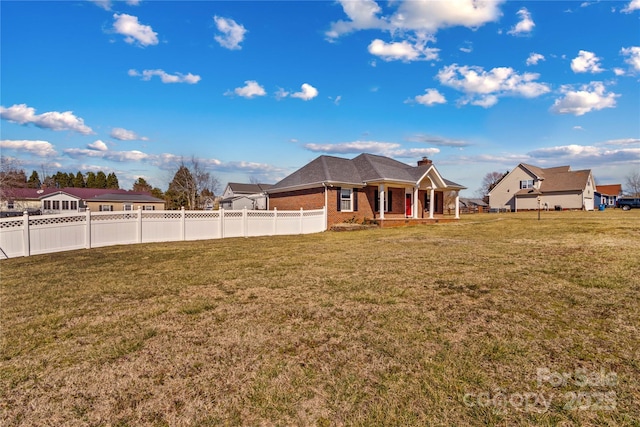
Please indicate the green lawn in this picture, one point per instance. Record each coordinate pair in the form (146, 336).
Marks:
(497, 319)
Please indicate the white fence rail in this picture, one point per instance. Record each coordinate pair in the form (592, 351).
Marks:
(34, 235)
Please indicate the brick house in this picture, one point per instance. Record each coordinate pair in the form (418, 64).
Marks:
(368, 187)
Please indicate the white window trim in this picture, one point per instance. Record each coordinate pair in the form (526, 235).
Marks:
(344, 199)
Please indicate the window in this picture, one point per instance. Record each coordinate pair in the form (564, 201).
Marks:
(74, 205)
(105, 208)
(47, 204)
(527, 183)
(128, 207)
(149, 208)
(65, 205)
(56, 205)
(345, 199)
(10, 204)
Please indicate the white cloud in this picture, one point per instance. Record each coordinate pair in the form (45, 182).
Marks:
(623, 142)
(633, 5)
(586, 62)
(483, 88)
(38, 148)
(128, 26)
(404, 50)
(308, 92)
(534, 58)
(281, 94)
(166, 77)
(632, 55)
(232, 33)
(589, 98)
(591, 153)
(104, 4)
(390, 149)
(525, 25)
(362, 15)
(438, 141)
(431, 97)
(250, 89)
(430, 16)
(53, 120)
(353, 147)
(126, 135)
(98, 145)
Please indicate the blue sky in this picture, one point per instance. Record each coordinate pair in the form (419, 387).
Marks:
(255, 90)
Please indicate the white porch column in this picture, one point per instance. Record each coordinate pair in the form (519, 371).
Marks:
(415, 202)
(432, 201)
(457, 205)
(381, 196)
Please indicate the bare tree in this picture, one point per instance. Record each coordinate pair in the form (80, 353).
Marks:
(190, 182)
(633, 183)
(489, 181)
(11, 177)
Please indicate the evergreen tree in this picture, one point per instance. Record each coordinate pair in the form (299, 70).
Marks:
(91, 180)
(78, 180)
(101, 180)
(34, 180)
(141, 185)
(112, 181)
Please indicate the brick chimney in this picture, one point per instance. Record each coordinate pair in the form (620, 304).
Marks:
(424, 161)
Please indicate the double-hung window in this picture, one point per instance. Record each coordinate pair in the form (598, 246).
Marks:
(526, 183)
(65, 205)
(346, 202)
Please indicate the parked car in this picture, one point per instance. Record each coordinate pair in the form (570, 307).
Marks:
(626, 203)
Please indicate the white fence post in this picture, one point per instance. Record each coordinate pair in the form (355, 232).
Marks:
(301, 220)
(182, 223)
(275, 221)
(87, 232)
(139, 230)
(245, 222)
(221, 225)
(326, 218)
(25, 234)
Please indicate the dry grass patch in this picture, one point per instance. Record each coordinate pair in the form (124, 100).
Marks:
(430, 325)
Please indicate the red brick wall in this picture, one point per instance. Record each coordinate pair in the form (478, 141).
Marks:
(314, 199)
(294, 200)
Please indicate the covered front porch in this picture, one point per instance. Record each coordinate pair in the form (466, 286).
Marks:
(397, 203)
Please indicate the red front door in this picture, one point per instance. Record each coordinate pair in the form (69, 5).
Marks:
(407, 205)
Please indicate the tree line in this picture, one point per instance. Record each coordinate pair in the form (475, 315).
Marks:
(192, 186)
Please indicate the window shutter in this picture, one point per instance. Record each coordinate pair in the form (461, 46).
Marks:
(376, 201)
(390, 203)
(355, 200)
(339, 192)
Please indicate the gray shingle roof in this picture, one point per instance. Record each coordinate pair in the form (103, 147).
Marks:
(358, 171)
(241, 188)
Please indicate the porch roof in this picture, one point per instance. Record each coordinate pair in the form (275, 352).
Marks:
(360, 171)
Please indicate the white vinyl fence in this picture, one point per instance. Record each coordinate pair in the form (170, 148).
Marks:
(40, 234)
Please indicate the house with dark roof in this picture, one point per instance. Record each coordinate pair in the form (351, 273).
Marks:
(529, 187)
(238, 195)
(608, 195)
(367, 187)
(72, 199)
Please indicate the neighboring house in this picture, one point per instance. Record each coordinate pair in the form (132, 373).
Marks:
(71, 199)
(608, 195)
(529, 187)
(367, 187)
(238, 196)
(238, 203)
(474, 205)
